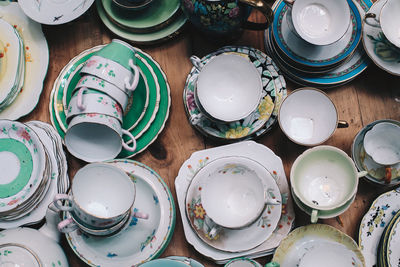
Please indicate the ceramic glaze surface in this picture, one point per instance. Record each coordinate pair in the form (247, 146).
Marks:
(393, 251)
(229, 87)
(242, 262)
(389, 21)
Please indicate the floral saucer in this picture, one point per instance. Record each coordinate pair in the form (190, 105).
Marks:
(54, 12)
(374, 223)
(256, 123)
(254, 151)
(142, 240)
(384, 54)
(376, 172)
(36, 60)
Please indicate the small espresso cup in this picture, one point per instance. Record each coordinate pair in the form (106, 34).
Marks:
(101, 196)
(96, 137)
(320, 22)
(308, 117)
(324, 178)
(225, 18)
(388, 21)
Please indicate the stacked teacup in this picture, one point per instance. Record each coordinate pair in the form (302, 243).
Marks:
(100, 201)
(95, 112)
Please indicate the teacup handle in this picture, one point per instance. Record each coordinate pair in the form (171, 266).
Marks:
(211, 228)
(80, 103)
(67, 226)
(342, 124)
(375, 24)
(388, 175)
(133, 85)
(361, 174)
(125, 145)
(265, 9)
(314, 216)
(272, 264)
(60, 197)
(271, 201)
(196, 62)
(289, 2)
(140, 215)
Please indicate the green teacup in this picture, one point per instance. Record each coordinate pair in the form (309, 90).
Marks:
(118, 51)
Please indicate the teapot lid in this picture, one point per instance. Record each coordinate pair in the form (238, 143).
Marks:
(14, 255)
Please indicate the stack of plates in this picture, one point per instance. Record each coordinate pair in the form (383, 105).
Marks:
(34, 170)
(33, 60)
(158, 21)
(226, 247)
(257, 123)
(148, 109)
(379, 238)
(318, 66)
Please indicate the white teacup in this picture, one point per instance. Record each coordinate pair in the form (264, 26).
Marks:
(101, 195)
(320, 22)
(388, 20)
(96, 137)
(324, 178)
(309, 117)
(228, 87)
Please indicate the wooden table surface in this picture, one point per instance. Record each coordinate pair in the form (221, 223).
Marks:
(369, 97)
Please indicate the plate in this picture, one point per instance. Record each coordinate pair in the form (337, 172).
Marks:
(384, 54)
(143, 240)
(54, 12)
(192, 262)
(374, 223)
(305, 54)
(158, 15)
(393, 245)
(256, 152)
(36, 60)
(158, 36)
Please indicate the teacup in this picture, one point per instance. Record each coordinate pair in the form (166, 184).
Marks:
(225, 18)
(235, 192)
(101, 195)
(96, 137)
(228, 87)
(309, 117)
(92, 82)
(388, 21)
(324, 178)
(91, 101)
(320, 22)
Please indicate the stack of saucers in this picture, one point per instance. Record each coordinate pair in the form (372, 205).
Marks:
(146, 110)
(34, 170)
(321, 52)
(209, 87)
(142, 21)
(214, 187)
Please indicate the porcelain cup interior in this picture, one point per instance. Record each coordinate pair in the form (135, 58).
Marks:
(382, 143)
(233, 193)
(96, 137)
(86, 101)
(308, 116)
(320, 22)
(228, 87)
(324, 178)
(101, 195)
(387, 20)
(100, 85)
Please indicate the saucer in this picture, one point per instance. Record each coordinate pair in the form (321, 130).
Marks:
(142, 240)
(308, 55)
(192, 262)
(256, 123)
(363, 162)
(384, 54)
(36, 60)
(234, 240)
(303, 240)
(256, 152)
(54, 12)
(374, 223)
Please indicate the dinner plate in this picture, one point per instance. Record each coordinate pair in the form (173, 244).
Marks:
(158, 15)
(143, 240)
(374, 223)
(384, 54)
(256, 152)
(54, 12)
(36, 60)
(158, 36)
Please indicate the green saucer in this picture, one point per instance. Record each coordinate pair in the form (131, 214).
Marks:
(158, 15)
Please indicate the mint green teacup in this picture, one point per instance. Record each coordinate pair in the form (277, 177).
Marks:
(324, 178)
